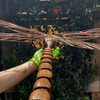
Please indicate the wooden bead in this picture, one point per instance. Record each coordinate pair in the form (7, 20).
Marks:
(44, 60)
(44, 73)
(40, 94)
(46, 56)
(48, 53)
(42, 82)
(45, 66)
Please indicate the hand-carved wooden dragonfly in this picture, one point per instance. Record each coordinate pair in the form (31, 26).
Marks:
(22, 34)
(77, 38)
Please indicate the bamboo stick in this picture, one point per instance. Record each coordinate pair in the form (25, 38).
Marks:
(42, 86)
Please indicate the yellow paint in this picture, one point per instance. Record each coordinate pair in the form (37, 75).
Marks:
(44, 18)
(60, 43)
(36, 19)
(62, 57)
(39, 13)
(57, 18)
(64, 36)
(56, 32)
(24, 13)
(22, 19)
(66, 12)
(30, 27)
(36, 43)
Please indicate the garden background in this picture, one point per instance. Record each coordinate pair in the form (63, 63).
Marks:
(73, 70)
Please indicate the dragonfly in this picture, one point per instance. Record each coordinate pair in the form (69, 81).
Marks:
(22, 34)
(76, 39)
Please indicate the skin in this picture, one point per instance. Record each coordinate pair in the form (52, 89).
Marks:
(13, 76)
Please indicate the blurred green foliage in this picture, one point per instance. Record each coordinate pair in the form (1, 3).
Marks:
(71, 74)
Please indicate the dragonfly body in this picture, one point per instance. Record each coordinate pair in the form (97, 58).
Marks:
(22, 34)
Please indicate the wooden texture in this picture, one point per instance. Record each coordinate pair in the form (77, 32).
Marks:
(94, 87)
(49, 56)
(8, 93)
(40, 94)
(95, 96)
(44, 73)
(45, 66)
(43, 82)
(6, 51)
(96, 59)
(42, 86)
(46, 60)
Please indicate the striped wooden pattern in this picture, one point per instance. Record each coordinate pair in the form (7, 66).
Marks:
(95, 95)
(42, 86)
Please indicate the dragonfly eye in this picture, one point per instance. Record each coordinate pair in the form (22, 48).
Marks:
(49, 42)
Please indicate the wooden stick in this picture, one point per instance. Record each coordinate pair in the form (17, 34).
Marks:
(42, 86)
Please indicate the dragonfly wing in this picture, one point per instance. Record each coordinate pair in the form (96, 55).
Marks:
(77, 42)
(17, 28)
(22, 34)
(20, 37)
(76, 39)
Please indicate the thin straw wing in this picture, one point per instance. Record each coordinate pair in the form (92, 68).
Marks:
(17, 37)
(12, 26)
(79, 38)
(76, 39)
(22, 34)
